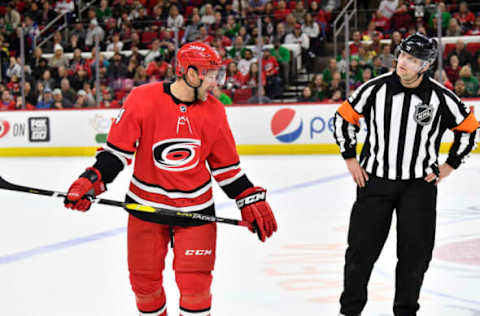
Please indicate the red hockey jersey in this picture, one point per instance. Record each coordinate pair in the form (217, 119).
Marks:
(178, 147)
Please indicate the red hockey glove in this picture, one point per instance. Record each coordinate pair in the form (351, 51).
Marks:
(257, 212)
(88, 185)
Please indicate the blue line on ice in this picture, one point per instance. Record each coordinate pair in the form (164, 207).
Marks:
(22, 255)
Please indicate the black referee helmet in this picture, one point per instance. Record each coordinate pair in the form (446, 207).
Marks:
(421, 47)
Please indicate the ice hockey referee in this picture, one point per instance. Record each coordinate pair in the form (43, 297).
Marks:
(406, 113)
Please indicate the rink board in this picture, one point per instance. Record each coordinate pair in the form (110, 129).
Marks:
(258, 129)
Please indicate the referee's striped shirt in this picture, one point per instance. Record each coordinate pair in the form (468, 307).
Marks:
(404, 127)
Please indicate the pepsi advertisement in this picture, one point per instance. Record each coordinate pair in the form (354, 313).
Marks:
(289, 124)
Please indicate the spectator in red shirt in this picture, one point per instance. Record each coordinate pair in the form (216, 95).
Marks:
(382, 23)
(217, 44)
(274, 86)
(464, 16)
(203, 35)
(269, 63)
(251, 79)
(157, 68)
(453, 68)
(19, 104)
(224, 41)
(401, 20)
(442, 77)
(7, 103)
(281, 13)
(234, 78)
(357, 43)
(475, 30)
(13, 85)
(108, 103)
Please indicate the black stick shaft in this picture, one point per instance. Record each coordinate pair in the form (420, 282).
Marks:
(127, 206)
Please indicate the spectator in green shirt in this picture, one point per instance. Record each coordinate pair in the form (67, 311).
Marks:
(236, 52)
(356, 73)
(330, 70)
(446, 16)
(318, 87)
(104, 11)
(471, 83)
(221, 96)
(231, 28)
(282, 55)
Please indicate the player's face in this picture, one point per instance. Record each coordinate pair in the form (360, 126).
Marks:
(208, 84)
(409, 66)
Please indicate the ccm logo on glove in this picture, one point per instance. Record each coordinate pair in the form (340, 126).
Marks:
(260, 196)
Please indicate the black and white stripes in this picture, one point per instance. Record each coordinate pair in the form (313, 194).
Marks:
(404, 127)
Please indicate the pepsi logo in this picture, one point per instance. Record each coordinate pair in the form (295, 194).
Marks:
(176, 154)
(4, 128)
(286, 126)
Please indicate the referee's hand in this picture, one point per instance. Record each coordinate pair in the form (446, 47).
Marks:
(445, 170)
(359, 174)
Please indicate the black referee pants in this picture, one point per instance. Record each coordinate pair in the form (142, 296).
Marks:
(415, 205)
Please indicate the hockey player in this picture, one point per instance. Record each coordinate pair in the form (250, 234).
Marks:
(181, 138)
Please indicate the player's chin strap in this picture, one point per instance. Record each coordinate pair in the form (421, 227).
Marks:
(195, 89)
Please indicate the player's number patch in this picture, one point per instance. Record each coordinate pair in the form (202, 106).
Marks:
(119, 116)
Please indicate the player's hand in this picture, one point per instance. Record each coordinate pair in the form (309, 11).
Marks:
(88, 185)
(257, 212)
(359, 175)
(443, 171)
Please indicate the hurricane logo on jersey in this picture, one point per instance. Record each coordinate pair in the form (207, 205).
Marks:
(286, 126)
(4, 128)
(176, 154)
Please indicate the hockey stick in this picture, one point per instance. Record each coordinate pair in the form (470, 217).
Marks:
(128, 206)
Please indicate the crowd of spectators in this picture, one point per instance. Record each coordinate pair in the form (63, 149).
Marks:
(137, 26)
(395, 20)
(139, 38)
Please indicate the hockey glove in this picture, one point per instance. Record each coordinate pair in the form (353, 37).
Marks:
(257, 212)
(86, 187)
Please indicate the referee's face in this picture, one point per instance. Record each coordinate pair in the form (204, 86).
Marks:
(408, 66)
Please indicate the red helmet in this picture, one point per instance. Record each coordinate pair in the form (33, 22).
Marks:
(198, 55)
